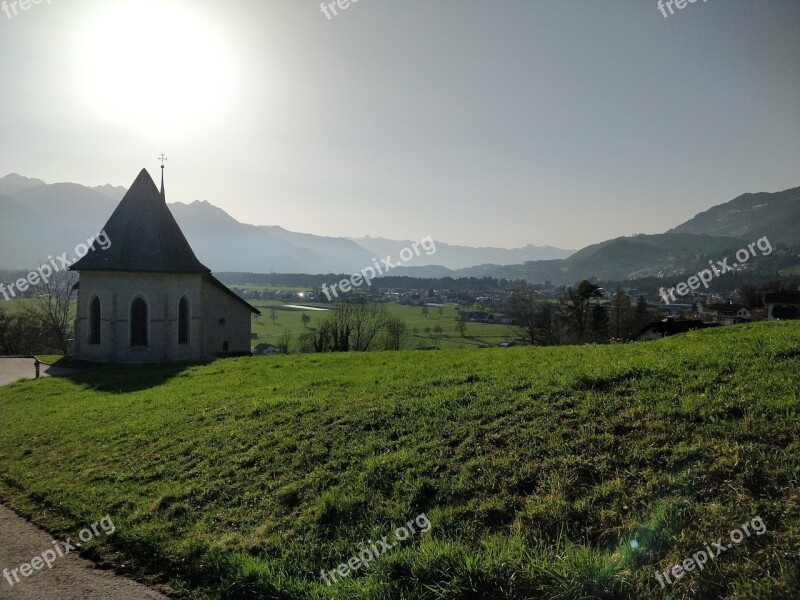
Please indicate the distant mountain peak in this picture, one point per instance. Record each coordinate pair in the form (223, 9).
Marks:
(14, 182)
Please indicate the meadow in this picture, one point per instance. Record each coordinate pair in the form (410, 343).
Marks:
(476, 334)
(553, 473)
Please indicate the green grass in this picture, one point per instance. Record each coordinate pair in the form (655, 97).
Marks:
(536, 467)
(790, 271)
(476, 335)
(53, 359)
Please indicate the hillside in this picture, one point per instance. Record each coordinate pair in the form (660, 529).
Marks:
(536, 467)
(751, 216)
(617, 259)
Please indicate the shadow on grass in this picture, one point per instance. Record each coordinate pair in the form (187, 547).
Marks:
(122, 379)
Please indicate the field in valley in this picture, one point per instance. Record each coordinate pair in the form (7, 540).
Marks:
(476, 334)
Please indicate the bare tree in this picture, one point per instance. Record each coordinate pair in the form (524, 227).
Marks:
(368, 321)
(286, 338)
(623, 317)
(53, 307)
(317, 340)
(461, 326)
(341, 327)
(533, 318)
(396, 333)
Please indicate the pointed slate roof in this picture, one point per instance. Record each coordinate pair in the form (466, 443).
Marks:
(144, 236)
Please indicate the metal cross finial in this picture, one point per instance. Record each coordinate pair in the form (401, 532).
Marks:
(163, 159)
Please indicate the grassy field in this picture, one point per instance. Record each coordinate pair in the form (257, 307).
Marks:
(559, 473)
(476, 335)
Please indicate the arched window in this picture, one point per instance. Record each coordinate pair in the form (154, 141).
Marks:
(183, 321)
(139, 323)
(94, 321)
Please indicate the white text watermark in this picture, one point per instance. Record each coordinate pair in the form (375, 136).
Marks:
(701, 557)
(329, 8)
(375, 549)
(46, 271)
(49, 556)
(13, 7)
(706, 276)
(679, 4)
(367, 274)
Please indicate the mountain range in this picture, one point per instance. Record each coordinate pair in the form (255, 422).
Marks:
(38, 220)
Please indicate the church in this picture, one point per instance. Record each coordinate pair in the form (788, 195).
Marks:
(146, 298)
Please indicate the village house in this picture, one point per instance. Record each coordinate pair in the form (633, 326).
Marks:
(724, 314)
(669, 326)
(782, 305)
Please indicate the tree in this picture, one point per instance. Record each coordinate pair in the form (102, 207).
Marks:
(441, 310)
(396, 334)
(286, 338)
(461, 326)
(369, 320)
(641, 307)
(597, 328)
(533, 318)
(623, 318)
(317, 340)
(341, 326)
(305, 319)
(425, 310)
(53, 307)
(350, 327)
(579, 306)
(22, 333)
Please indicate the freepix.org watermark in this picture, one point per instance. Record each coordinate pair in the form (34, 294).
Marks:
(46, 271)
(49, 556)
(375, 549)
(367, 274)
(12, 8)
(663, 5)
(706, 276)
(701, 557)
(328, 8)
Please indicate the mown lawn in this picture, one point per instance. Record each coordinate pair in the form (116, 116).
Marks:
(536, 467)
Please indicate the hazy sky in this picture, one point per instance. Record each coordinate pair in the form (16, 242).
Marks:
(483, 123)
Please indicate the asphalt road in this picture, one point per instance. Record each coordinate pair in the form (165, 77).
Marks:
(70, 578)
(13, 369)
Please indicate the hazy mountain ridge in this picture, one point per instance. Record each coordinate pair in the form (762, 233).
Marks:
(14, 182)
(38, 220)
(460, 257)
(64, 214)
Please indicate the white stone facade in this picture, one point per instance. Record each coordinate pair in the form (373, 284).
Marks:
(217, 323)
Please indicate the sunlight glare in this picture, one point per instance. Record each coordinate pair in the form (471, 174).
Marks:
(156, 64)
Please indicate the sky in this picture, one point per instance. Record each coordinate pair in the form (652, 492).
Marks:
(546, 122)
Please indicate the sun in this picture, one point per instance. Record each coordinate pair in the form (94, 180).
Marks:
(155, 64)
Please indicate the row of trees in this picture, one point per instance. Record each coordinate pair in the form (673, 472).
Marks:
(356, 327)
(577, 319)
(42, 324)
